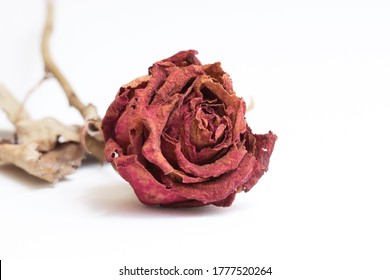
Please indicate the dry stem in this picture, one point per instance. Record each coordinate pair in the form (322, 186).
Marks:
(91, 136)
(89, 111)
(11, 106)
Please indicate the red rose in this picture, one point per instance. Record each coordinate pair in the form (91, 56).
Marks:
(180, 138)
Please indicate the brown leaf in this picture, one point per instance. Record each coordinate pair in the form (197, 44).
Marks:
(44, 148)
(46, 133)
(50, 166)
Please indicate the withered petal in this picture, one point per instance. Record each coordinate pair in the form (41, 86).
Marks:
(148, 190)
(219, 188)
(228, 162)
(154, 119)
(184, 58)
(264, 146)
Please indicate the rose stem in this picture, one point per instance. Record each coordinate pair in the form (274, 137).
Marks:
(89, 111)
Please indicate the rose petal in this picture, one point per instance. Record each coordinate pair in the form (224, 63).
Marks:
(221, 187)
(112, 150)
(263, 148)
(228, 162)
(184, 58)
(235, 107)
(191, 150)
(226, 202)
(176, 81)
(155, 118)
(117, 107)
(148, 190)
(216, 72)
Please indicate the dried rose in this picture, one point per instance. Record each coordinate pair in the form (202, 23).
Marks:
(180, 138)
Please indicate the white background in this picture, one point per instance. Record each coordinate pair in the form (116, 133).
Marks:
(319, 75)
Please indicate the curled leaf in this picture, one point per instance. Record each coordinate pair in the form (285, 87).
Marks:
(46, 133)
(50, 166)
(44, 148)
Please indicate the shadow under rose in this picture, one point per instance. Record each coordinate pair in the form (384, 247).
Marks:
(119, 199)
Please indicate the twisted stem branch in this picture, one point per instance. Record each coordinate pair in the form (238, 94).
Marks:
(88, 111)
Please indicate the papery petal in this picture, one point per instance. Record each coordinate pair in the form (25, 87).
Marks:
(184, 58)
(114, 113)
(155, 118)
(219, 188)
(226, 202)
(112, 150)
(148, 190)
(184, 203)
(216, 72)
(263, 148)
(176, 81)
(235, 107)
(228, 162)
(194, 153)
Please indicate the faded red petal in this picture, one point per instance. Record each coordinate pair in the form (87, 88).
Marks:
(155, 118)
(215, 71)
(148, 190)
(184, 58)
(228, 162)
(219, 188)
(262, 150)
(194, 151)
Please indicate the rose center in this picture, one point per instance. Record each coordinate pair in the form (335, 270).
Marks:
(207, 127)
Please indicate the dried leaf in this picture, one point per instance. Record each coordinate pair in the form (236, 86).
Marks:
(45, 148)
(46, 133)
(50, 166)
